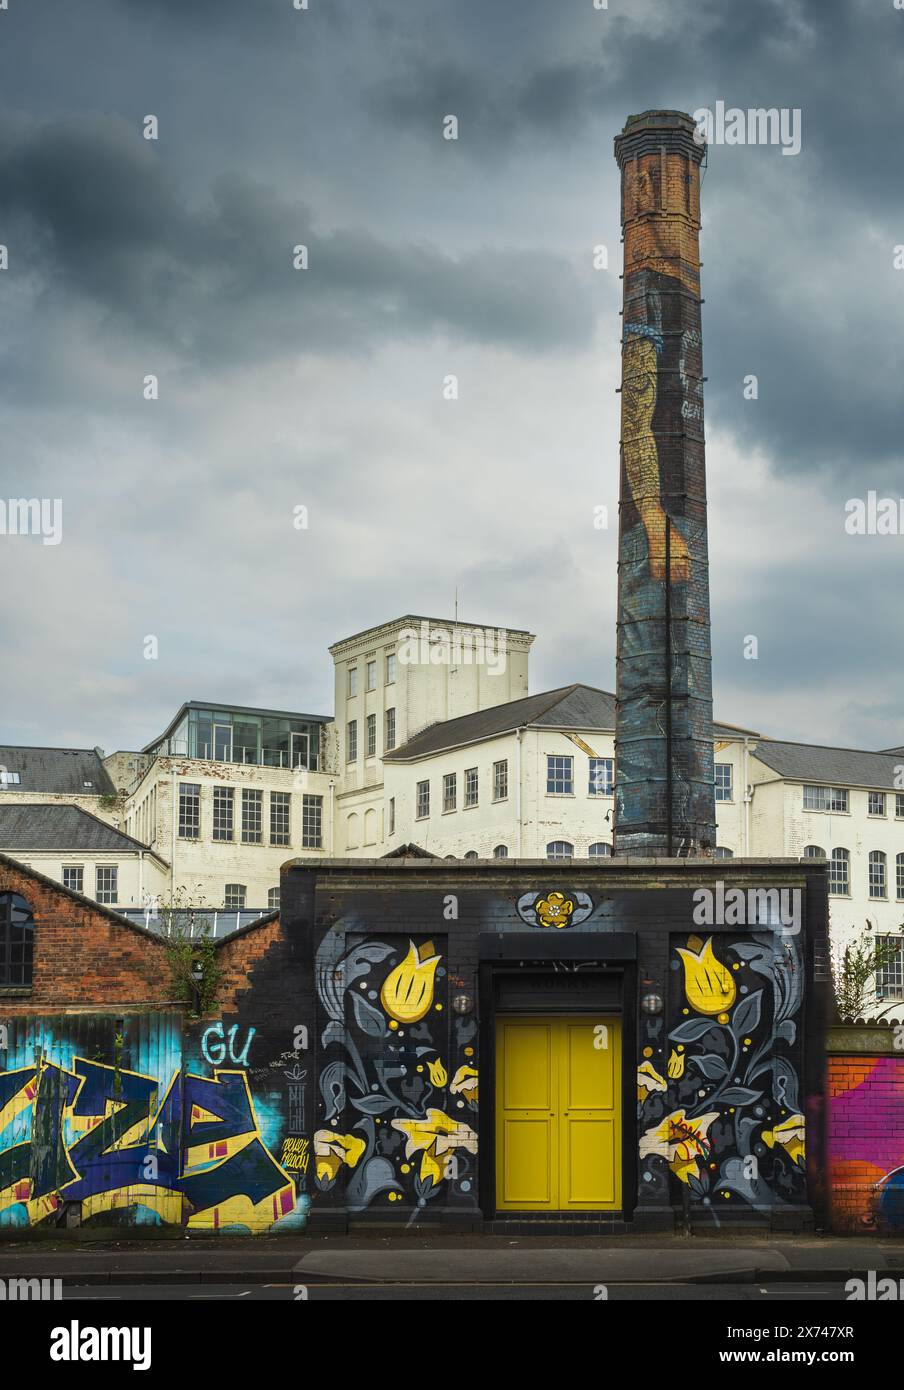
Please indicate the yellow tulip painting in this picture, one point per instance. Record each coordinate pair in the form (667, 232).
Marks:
(331, 1150)
(437, 1073)
(407, 991)
(708, 984)
(464, 1083)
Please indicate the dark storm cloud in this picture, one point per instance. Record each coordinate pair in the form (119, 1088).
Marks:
(99, 217)
(324, 127)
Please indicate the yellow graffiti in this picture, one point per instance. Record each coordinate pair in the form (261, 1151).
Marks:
(642, 459)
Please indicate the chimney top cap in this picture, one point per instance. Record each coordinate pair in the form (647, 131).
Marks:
(651, 131)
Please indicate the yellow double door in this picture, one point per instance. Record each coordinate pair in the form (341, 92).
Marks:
(558, 1114)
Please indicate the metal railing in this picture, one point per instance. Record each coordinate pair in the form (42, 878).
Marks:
(194, 922)
(253, 756)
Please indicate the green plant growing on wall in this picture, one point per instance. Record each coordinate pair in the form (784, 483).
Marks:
(192, 953)
(854, 970)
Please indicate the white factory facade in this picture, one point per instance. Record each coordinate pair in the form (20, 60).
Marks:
(435, 741)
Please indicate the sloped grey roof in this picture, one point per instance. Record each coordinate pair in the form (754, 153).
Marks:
(57, 770)
(898, 751)
(34, 826)
(569, 707)
(842, 767)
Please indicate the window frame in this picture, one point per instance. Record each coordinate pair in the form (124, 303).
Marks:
(422, 798)
(721, 788)
(351, 741)
(16, 939)
(450, 804)
(224, 815)
(553, 777)
(113, 871)
(185, 802)
(73, 869)
(877, 859)
(471, 788)
(311, 820)
(593, 787)
(500, 779)
(252, 800)
(370, 736)
(280, 802)
(553, 843)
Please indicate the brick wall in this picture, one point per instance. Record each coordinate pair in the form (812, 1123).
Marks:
(865, 1139)
(83, 956)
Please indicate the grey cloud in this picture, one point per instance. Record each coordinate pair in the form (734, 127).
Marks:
(99, 218)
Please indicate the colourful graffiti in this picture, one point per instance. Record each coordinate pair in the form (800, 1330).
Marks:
(720, 1107)
(866, 1147)
(84, 1142)
(396, 1070)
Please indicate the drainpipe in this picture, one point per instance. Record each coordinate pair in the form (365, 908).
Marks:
(140, 875)
(332, 818)
(748, 797)
(518, 733)
(173, 815)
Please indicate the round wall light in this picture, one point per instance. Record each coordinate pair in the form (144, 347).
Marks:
(463, 1004)
(652, 1003)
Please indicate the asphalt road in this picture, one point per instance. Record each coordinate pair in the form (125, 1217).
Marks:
(467, 1293)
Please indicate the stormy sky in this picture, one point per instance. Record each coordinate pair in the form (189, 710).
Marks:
(281, 388)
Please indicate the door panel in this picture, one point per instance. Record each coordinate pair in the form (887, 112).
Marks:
(558, 1120)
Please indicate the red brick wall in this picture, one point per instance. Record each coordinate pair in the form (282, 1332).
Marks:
(865, 1127)
(84, 957)
(237, 957)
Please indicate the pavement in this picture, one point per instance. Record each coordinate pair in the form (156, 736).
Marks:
(369, 1260)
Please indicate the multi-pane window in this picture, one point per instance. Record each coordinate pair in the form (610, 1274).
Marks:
(390, 668)
(222, 813)
(814, 852)
(500, 780)
(392, 815)
(899, 805)
(351, 742)
(252, 816)
(840, 873)
(723, 782)
(878, 885)
(273, 899)
(107, 883)
(74, 877)
(189, 810)
(471, 854)
(9, 779)
(722, 852)
(500, 852)
(602, 771)
(279, 818)
(559, 849)
(352, 681)
(450, 791)
(371, 736)
(311, 822)
(890, 975)
(826, 799)
(234, 897)
(899, 877)
(17, 931)
(371, 675)
(422, 801)
(601, 849)
(559, 775)
(471, 783)
(389, 732)
(876, 803)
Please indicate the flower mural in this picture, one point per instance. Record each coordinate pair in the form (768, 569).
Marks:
(732, 1090)
(331, 1150)
(681, 1141)
(554, 910)
(707, 984)
(435, 1137)
(790, 1135)
(648, 1079)
(464, 1083)
(437, 1073)
(390, 1048)
(407, 991)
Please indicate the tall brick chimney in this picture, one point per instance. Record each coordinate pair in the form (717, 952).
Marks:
(664, 796)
